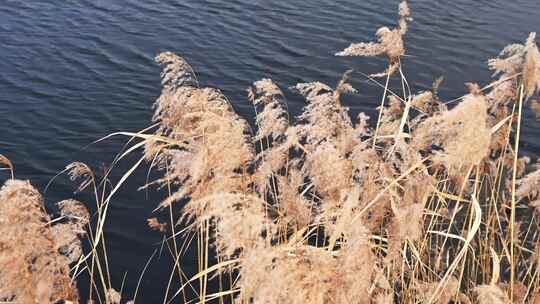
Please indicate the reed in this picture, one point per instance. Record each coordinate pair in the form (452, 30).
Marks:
(431, 203)
(41, 257)
(36, 252)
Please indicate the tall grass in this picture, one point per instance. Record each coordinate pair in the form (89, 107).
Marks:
(431, 203)
(36, 252)
(41, 258)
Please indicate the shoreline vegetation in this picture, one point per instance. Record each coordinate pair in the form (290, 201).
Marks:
(432, 203)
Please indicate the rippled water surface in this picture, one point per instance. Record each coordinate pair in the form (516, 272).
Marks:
(72, 71)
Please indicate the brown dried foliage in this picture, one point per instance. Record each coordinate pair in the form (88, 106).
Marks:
(35, 256)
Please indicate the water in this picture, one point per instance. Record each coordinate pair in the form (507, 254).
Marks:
(74, 71)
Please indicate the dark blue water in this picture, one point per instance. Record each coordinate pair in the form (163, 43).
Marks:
(72, 71)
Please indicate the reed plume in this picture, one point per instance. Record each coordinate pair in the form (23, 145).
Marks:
(36, 256)
(461, 134)
(390, 42)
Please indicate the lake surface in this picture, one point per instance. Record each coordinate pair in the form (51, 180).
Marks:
(73, 71)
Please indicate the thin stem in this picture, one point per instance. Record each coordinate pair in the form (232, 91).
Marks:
(513, 207)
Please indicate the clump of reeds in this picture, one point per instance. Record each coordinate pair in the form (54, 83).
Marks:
(433, 205)
(36, 252)
(41, 258)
